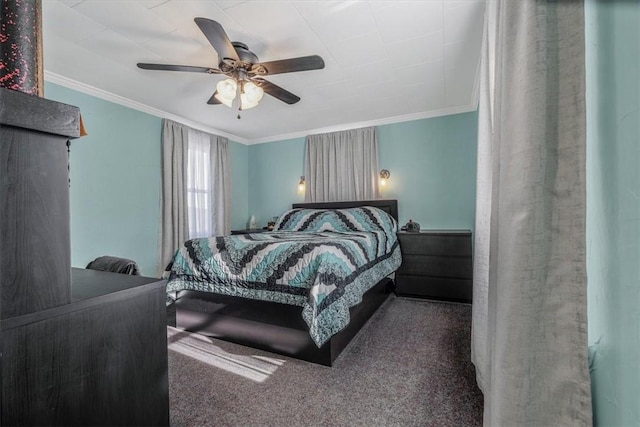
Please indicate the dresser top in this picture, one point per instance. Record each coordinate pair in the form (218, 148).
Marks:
(87, 284)
(90, 288)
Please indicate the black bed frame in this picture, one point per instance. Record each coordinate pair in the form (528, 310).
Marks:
(276, 327)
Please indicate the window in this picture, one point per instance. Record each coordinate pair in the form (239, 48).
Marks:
(199, 185)
(195, 197)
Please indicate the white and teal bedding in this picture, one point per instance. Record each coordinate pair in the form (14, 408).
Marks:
(323, 260)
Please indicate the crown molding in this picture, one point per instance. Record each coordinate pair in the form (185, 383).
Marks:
(117, 99)
(378, 122)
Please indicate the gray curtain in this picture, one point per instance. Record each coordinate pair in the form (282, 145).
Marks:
(342, 166)
(175, 209)
(174, 225)
(221, 185)
(529, 339)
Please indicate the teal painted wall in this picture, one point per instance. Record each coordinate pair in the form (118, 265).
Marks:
(613, 208)
(432, 164)
(115, 181)
(433, 169)
(274, 172)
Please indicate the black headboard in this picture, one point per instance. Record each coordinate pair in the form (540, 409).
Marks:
(389, 206)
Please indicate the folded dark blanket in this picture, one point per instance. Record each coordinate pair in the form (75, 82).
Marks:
(115, 265)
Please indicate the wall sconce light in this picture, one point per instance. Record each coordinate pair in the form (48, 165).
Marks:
(301, 185)
(384, 177)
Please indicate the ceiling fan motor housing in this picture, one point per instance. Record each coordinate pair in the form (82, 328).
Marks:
(239, 69)
(244, 53)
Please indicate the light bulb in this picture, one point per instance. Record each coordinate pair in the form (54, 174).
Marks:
(252, 94)
(227, 88)
(384, 177)
(226, 91)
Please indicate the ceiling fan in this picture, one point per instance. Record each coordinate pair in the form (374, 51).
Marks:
(243, 70)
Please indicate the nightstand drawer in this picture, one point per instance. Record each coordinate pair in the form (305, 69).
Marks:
(441, 266)
(435, 244)
(435, 287)
(436, 264)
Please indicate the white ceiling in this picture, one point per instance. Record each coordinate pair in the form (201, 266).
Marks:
(386, 61)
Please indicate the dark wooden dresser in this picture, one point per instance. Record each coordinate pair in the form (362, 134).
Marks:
(100, 360)
(436, 264)
(77, 347)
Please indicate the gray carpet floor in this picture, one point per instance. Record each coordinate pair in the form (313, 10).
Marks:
(409, 366)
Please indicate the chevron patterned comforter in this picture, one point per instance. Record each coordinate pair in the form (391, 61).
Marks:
(322, 260)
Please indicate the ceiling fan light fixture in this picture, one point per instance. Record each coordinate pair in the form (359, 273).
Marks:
(226, 91)
(245, 104)
(253, 92)
(225, 101)
(251, 95)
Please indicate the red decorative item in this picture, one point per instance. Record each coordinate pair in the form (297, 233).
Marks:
(20, 46)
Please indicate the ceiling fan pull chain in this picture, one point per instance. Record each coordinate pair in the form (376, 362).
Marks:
(241, 90)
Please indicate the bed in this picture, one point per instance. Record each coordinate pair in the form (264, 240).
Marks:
(303, 290)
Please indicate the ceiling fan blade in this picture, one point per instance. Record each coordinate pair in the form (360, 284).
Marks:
(277, 92)
(214, 32)
(213, 100)
(303, 63)
(168, 67)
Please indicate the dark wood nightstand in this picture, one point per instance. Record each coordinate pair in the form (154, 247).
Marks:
(249, 231)
(436, 264)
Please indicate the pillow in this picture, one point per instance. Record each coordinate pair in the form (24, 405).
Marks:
(366, 218)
